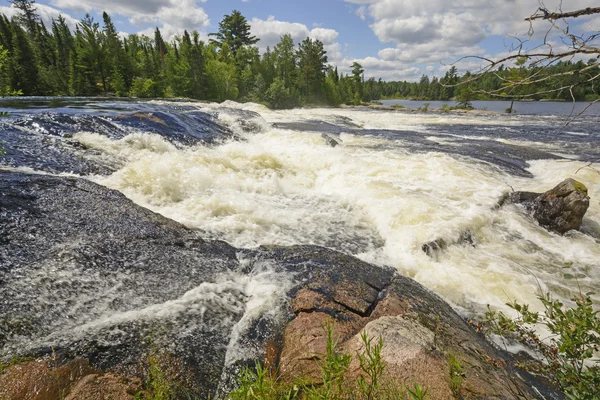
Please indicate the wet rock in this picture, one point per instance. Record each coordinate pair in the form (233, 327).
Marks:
(87, 274)
(560, 209)
(420, 333)
(329, 140)
(432, 248)
(435, 247)
(36, 380)
(102, 387)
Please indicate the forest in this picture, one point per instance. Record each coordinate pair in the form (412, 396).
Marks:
(94, 60)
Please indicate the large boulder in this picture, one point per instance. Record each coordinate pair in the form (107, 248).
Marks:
(424, 338)
(560, 209)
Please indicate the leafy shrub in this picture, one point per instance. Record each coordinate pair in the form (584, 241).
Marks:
(424, 107)
(567, 358)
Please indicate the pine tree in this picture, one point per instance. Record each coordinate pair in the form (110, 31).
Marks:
(235, 31)
(312, 60)
(23, 70)
(28, 17)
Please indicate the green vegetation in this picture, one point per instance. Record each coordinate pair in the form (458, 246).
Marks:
(568, 356)
(424, 107)
(456, 376)
(159, 384)
(262, 384)
(94, 60)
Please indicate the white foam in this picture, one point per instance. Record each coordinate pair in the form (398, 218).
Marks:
(367, 197)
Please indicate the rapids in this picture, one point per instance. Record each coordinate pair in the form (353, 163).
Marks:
(398, 180)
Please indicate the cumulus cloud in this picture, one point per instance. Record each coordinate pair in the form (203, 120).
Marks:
(46, 13)
(440, 32)
(271, 30)
(172, 16)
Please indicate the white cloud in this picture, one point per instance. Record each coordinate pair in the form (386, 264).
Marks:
(46, 13)
(172, 16)
(441, 32)
(271, 30)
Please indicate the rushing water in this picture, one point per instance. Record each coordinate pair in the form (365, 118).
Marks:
(396, 181)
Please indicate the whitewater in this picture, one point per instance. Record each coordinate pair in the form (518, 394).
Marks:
(396, 180)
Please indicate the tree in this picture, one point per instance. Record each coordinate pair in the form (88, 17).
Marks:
(23, 68)
(28, 17)
(357, 78)
(235, 31)
(547, 76)
(284, 57)
(312, 63)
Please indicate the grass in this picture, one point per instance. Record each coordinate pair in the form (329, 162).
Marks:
(13, 361)
(456, 376)
(259, 383)
(159, 385)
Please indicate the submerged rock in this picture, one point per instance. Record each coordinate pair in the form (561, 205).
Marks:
(433, 248)
(560, 209)
(329, 140)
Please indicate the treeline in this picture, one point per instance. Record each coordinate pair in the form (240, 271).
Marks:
(559, 81)
(95, 60)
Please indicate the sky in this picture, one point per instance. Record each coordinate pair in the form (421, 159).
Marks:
(392, 39)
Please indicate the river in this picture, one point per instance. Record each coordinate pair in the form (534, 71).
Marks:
(396, 181)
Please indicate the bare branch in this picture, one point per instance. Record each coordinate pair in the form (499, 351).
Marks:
(543, 13)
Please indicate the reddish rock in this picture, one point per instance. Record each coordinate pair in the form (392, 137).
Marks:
(419, 330)
(105, 387)
(36, 380)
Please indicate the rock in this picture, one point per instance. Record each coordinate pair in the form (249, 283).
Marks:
(420, 334)
(560, 209)
(120, 281)
(329, 140)
(102, 387)
(433, 248)
(77, 380)
(36, 380)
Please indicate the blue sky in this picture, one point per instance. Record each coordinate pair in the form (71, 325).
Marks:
(392, 39)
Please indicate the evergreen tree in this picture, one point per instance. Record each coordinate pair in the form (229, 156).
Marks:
(235, 31)
(28, 17)
(23, 69)
(312, 60)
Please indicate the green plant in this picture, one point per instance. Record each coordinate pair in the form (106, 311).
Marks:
(445, 108)
(260, 383)
(160, 385)
(417, 392)
(334, 366)
(372, 365)
(567, 357)
(157, 383)
(456, 376)
(424, 107)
